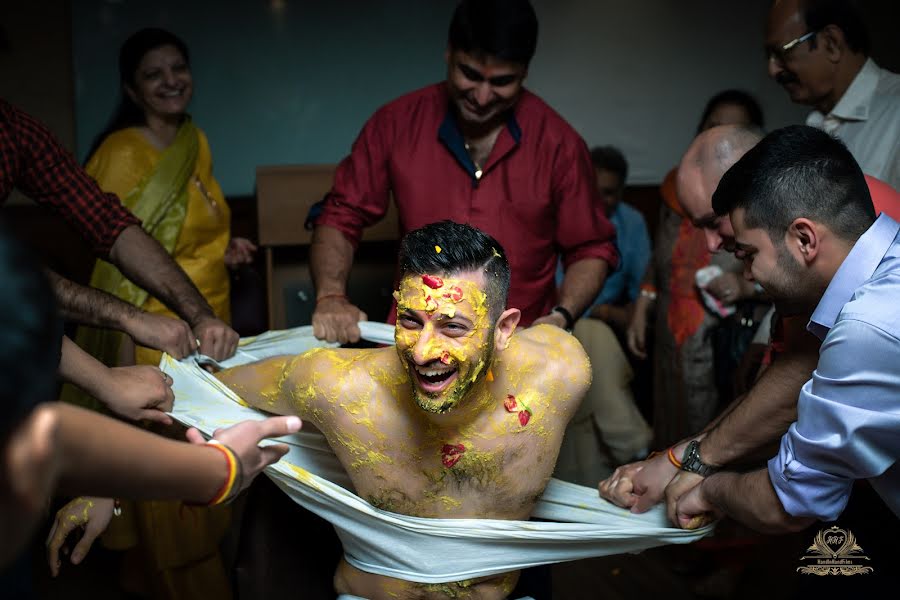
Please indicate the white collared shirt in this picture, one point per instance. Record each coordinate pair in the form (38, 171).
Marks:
(867, 119)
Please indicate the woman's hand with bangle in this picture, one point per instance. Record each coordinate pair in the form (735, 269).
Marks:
(243, 442)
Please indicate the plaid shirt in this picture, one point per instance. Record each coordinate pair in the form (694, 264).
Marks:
(32, 160)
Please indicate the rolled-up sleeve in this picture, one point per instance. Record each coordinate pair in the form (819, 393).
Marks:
(848, 422)
(582, 229)
(50, 176)
(361, 191)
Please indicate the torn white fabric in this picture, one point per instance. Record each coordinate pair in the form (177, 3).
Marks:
(575, 523)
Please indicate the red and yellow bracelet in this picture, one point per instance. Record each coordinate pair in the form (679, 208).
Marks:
(234, 474)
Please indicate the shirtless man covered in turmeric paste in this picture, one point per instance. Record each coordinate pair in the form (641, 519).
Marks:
(463, 419)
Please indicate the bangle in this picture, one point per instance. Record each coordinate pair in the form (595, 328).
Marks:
(653, 455)
(570, 320)
(672, 458)
(235, 476)
(326, 296)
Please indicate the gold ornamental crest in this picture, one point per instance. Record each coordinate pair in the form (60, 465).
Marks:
(834, 551)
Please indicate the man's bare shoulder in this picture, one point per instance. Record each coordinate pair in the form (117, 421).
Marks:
(343, 367)
(551, 352)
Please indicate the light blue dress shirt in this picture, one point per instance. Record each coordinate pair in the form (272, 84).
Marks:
(848, 414)
(633, 243)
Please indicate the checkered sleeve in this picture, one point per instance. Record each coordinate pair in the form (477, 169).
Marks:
(49, 175)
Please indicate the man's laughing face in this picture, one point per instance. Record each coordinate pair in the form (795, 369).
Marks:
(444, 336)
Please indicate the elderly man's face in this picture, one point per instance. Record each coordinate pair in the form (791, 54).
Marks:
(803, 70)
(695, 189)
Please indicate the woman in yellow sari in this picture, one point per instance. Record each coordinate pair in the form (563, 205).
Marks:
(158, 162)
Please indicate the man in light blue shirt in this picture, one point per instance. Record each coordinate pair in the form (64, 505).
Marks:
(608, 429)
(805, 226)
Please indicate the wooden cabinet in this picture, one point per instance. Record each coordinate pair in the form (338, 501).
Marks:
(284, 197)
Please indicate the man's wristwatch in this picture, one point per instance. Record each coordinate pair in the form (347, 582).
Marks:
(570, 320)
(691, 461)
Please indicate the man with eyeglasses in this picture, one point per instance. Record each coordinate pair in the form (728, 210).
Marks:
(818, 51)
(480, 149)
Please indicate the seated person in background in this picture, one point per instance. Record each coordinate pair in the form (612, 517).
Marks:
(463, 419)
(608, 429)
(615, 303)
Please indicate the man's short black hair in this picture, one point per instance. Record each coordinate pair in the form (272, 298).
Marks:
(738, 98)
(503, 29)
(609, 158)
(794, 172)
(30, 335)
(841, 13)
(462, 248)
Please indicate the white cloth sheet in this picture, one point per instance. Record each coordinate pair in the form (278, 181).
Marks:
(576, 522)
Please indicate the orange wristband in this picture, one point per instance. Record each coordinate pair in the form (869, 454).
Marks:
(672, 458)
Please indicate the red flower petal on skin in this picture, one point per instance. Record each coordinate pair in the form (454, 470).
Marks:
(510, 403)
(524, 417)
(432, 281)
(454, 293)
(445, 357)
(451, 453)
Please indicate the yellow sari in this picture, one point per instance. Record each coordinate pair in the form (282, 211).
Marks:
(174, 548)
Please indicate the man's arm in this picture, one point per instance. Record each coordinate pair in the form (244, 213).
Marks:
(335, 318)
(49, 175)
(136, 392)
(269, 384)
(132, 463)
(90, 306)
(359, 198)
(748, 498)
(768, 409)
(145, 262)
(580, 285)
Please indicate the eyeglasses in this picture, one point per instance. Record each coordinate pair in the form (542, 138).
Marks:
(779, 54)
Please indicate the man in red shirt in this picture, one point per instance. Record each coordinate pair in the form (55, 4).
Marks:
(477, 149)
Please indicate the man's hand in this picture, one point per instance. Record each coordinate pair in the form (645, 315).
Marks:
(636, 334)
(681, 484)
(638, 486)
(336, 319)
(216, 339)
(244, 439)
(552, 318)
(239, 252)
(90, 514)
(730, 288)
(693, 510)
(140, 392)
(172, 336)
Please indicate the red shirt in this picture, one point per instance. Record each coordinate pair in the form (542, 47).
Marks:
(32, 160)
(536, 195)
